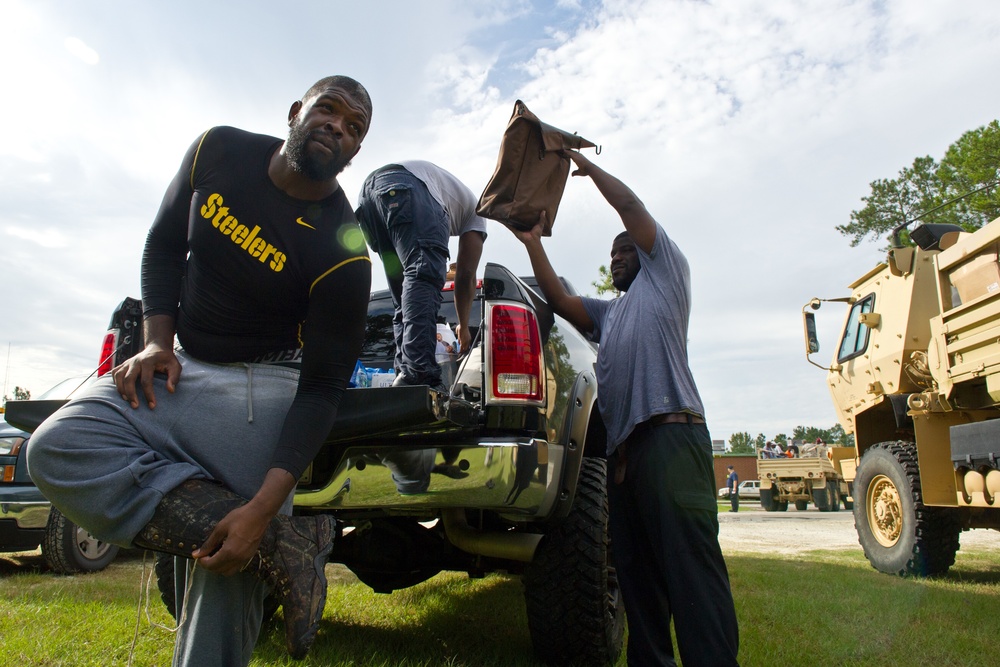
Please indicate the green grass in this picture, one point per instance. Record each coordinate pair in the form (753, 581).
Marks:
(823, 608)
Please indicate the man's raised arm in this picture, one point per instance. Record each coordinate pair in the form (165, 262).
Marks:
(638, 222)
(564, 304)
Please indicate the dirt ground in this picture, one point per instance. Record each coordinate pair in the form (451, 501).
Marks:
(756, 531)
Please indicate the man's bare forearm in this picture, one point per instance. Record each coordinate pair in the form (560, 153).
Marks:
(159, 330)
(555, 293)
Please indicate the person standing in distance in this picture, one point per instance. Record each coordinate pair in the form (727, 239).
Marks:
(733, 482)
(661, 490)
(408, 211)
(256, 263)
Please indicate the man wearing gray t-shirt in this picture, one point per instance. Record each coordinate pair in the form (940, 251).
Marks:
(661, 489)
(407, 211)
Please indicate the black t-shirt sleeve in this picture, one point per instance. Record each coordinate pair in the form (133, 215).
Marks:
(164, 257)
(332, 336)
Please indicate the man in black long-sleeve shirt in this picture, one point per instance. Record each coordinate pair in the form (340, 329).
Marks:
(256, 263)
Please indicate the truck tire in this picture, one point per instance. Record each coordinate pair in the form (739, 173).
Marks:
(802, 505)
(767, 500)
(899, 534)
(834, 496)
(821, 499)
(69, 549)
(164, 569)
(574, 607)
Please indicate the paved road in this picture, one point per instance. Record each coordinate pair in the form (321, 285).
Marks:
(754, 530)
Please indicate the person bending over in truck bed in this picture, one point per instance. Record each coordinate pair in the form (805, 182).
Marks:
(408, 210)
(663, 511)
(256, 263)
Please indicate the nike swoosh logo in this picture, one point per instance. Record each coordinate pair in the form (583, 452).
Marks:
(304, 223)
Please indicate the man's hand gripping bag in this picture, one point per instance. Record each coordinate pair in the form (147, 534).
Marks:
(530, 176)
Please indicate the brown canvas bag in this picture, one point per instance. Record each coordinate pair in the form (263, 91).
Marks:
(530, 176)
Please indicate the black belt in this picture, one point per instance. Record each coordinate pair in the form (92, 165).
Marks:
(655, 420)
(675, 418)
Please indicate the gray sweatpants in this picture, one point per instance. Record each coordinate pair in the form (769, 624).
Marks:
(106, 466)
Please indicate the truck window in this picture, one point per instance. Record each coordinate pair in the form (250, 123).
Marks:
(855, 340)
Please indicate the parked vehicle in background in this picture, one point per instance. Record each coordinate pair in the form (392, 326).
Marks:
(749, 489)
(504, 473)
(814, 476)
(28, 520)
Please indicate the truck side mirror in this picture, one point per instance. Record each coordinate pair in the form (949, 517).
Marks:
(812, 341)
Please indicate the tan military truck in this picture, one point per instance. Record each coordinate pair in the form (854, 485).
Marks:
(916, 379)
(815, 475)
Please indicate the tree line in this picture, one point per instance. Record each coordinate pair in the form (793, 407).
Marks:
(20, 394)
(961, 189)
(744, 443)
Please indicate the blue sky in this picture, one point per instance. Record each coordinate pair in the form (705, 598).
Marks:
(750, 129)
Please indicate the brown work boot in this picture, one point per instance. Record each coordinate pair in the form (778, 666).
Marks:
(291, 557)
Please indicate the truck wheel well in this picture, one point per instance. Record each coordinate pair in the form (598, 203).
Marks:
(884, 422)
(597, 435)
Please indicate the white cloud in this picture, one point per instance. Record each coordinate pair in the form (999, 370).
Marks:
(80, 50)
(45, 238)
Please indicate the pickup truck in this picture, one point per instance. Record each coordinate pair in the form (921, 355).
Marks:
(506, 473)
(28, 520)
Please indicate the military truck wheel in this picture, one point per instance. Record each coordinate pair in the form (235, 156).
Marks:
(767, 500)
(574, 607)
(69, 549)
(899, 534)
(802, 505)
(164, 569)
(834, 497)
(781, 506)
(821, 499)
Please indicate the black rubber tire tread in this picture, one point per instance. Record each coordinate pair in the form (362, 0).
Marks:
(802, 505)
(575, 612)
(62, 553)
(929, 539)
(834, 496)
(767, 500)
(781, 506)
(821, 499)
(164, 568)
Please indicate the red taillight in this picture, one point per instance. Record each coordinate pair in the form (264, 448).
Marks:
(515, 354)
(107, 359)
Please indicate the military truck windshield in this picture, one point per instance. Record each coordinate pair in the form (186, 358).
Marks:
(855, 340)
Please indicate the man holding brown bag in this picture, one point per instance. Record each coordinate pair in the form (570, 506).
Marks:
(661, 490)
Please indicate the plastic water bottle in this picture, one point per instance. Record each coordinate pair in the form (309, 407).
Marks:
(361, 378)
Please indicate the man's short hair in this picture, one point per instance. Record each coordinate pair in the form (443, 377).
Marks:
(729, 468)
(353, 88)
(623, 235)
